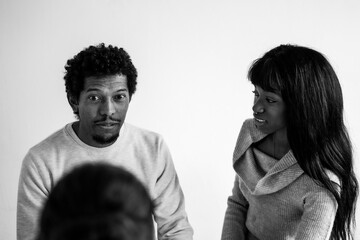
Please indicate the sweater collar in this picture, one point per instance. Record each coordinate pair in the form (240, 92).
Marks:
(284, 172)
(70, 131)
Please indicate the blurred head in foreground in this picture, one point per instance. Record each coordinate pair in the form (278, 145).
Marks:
(97, 202)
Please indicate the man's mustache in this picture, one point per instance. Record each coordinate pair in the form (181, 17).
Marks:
(108, 120)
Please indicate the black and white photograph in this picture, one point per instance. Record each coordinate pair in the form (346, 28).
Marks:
(179, 120)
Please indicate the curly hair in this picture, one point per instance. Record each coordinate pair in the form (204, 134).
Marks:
(98, 61)
(97, 201)
(315, 128)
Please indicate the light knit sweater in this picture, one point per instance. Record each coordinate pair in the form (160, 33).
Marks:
(141, 152)
(275, 199)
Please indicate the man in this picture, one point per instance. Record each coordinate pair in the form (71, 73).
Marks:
(97, 201)
(100, 82)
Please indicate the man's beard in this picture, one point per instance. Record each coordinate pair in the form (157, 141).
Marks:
(105, 140)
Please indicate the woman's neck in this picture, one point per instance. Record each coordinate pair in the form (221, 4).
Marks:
(279, 143)
(275, 144)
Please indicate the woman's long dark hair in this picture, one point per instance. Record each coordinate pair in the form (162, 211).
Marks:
(315, 128)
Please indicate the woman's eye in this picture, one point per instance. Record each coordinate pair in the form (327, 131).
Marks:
(255, 93)
(270, 100)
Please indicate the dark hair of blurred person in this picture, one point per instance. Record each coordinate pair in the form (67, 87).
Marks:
(97, 201)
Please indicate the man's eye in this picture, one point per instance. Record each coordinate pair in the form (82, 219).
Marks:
(119, 97)
(93, 98)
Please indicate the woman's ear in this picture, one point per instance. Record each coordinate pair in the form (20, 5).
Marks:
(74, 103)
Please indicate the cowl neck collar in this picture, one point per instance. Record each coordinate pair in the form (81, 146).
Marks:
(283, 173)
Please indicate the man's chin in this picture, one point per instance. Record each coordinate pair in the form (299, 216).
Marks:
(105, 140)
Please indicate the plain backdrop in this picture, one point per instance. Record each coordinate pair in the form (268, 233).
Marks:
(192, 57)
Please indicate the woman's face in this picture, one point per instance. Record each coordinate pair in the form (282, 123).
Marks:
(269, 111)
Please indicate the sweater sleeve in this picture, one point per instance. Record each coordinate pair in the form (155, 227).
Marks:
(235, 217)
(318, 217)
(169, 213)
(31, 195)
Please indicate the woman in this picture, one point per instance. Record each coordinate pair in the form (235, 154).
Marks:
(293, 160)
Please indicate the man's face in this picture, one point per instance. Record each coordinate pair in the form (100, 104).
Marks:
(102, 108)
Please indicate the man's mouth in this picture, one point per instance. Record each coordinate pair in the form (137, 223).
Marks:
(107, 124)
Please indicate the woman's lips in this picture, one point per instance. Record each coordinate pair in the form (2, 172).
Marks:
(259, 120)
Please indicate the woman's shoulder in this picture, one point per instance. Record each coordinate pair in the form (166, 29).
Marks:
(313, 188)
(249, 131)
(247, 136)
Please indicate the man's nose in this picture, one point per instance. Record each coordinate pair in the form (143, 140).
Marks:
(107, 108)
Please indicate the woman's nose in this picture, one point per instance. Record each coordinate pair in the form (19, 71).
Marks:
(258, 106)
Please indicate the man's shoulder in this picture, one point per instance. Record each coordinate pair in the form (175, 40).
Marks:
(46, 151)
(56, 139)
(133, 131)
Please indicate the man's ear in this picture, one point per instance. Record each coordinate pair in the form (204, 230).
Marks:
(74, 103)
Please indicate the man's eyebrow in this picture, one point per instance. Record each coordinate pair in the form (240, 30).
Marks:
(92, 89)
(98, 89)
(122, 90)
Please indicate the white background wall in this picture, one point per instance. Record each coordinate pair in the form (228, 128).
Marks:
(192, 57)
